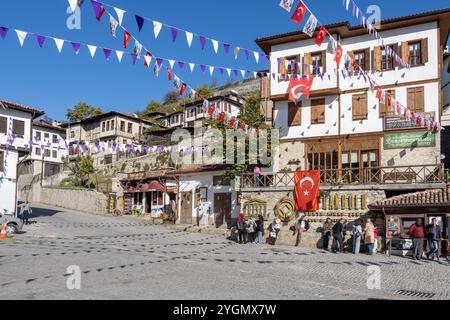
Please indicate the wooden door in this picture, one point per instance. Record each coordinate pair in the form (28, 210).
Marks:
(186, 208)
(222, 209)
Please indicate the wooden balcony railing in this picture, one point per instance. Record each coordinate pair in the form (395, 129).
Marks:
(426, 174)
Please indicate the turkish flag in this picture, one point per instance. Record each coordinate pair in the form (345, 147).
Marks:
(338, 56)
(299, 87)
(379, 93)
(307, 190)
(126, 39)
(212, 108)
(183, 89)
(169, 74)
(299, 13)
(321, 36)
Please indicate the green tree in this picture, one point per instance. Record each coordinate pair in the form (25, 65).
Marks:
(82, 111)
(171, 97)
(153, 106)
(80, 169)
(205, 91)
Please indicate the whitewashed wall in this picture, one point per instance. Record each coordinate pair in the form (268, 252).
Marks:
(8, 182)
(62, 152)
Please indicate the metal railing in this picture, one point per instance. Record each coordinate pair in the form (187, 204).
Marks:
(425, 174)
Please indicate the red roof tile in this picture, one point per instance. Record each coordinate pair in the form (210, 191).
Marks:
(438, 197)
(15, 106)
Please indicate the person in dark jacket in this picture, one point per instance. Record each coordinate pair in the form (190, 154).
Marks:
(242, 229)
(417, 234)
(433, 235)
(260, 230)
(338, 237)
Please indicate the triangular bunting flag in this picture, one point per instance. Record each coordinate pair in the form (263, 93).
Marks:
(40, 40)
(148, 59)
(120, 14)
(140, 22)
(92, 50)
(174, 32)
(192, 66)
(227, 48)
(157, 26)
(171, 63)
(59, 44)
(202, 42)
(211, 70)
(21, 35)
(215, 44)
(126, 39)
(236, 52)
(107, 53)
(3, 32)
(189, 37)
(229, 72)
(119, 55)
(73, 5)
(76, 47)
(256, 54)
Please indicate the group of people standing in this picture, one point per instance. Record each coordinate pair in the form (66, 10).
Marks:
(251, 230)
(367, 234)
(432, 233)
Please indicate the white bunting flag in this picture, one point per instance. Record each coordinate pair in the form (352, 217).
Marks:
(192, 65)
(21, 35)
(73, 4)
(92, 50)
(243, 73)
(120, 13)
(157, 26)
(59, 44)
(211, 70)
(189, 37)
(119, 55)
(172, 63)
(215, 44)
(347, 4)
(256, 54)
(229, 72)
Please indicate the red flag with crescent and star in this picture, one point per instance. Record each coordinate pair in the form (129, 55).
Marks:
(307, 190)
(299, 87)
(299, 13)
(321, 36)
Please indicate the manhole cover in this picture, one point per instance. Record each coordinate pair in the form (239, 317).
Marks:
(416, 294)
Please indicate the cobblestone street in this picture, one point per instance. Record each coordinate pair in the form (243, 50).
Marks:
(123, 258)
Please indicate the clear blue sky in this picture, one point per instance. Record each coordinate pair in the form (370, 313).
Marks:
(54, 82)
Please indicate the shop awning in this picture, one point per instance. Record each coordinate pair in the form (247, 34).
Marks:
(150, 187)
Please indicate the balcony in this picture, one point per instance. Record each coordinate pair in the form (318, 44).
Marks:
(412, 177)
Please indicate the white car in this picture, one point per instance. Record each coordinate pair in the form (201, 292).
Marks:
(14, 225)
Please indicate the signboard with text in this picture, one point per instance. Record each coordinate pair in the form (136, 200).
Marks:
(399, 122)
(409, 140)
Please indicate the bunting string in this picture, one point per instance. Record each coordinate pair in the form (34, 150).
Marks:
(175, 31)
(383, 96)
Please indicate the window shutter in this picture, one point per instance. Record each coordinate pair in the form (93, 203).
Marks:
(424, 45)
(364, 106)
(19, 128)
(318, 111)
(294, 114)
(307, 62)
(367, 60)
(3, 125)
(420, 99)
(2, 160)
(360, 107)
(395, 47)
(411, 102)
(405, 52)
(377, 58)
(352, 58)
(324, 60)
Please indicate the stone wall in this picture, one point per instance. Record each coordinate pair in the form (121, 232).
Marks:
(344, 202)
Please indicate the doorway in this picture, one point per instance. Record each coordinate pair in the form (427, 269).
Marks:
(222, 209)
(186, 208)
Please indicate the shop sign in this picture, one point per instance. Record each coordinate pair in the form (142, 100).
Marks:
(136, 176)
(112, 202)
(409, 140)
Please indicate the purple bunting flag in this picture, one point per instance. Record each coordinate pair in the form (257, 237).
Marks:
(159, 62)
(140, 22)
(221, 71)
(107, 53)
(134, 58)
(181, 65)
(202, 42)
(40, 39)
(3, 32)
(227, 48)
(247, 53)
(174, 32)
(203, 68)
(76, 47)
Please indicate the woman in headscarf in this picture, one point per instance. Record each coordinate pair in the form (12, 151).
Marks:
(369, 236)
(242, 229)
(274, 229)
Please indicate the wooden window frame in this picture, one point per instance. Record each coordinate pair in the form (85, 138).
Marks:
(358, 115)
(289, 67)
(323, 60)
(296, 119)
(316, 104)
(413, 104)
(391, 60)
(5, 121)
(383, 107)
(413, 44)
(366, 65)
(15, 123)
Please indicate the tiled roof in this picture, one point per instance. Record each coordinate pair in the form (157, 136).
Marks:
(438, 197)
(44, 124)
(16, 106)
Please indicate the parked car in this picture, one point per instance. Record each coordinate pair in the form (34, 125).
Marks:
(14, 225)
